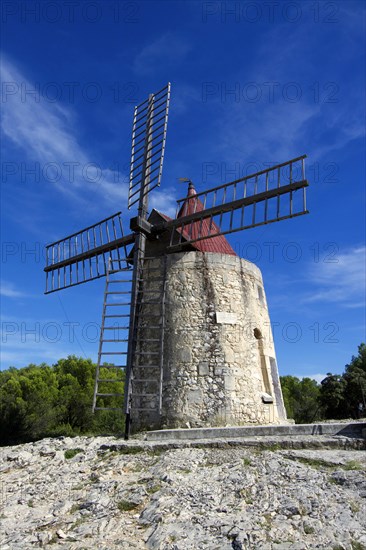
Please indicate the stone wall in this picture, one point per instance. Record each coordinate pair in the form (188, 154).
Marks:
(219, 358)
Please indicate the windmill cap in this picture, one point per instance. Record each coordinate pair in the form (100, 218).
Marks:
(212, 241)
(191, 189)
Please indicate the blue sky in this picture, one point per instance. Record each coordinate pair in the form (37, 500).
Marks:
(253, 84)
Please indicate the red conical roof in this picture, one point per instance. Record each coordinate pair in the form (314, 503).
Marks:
(200, 228)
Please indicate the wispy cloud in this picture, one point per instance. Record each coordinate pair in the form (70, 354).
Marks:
(8, 290)
(46, 132)
(167, 51)
(341, 281)
(263, 130)
(281, 109)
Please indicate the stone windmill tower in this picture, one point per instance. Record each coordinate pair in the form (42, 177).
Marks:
(185, 320)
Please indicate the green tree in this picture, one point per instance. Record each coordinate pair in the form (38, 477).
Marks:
(301, 397)
(355, 383)
(344, 396)
(27, 402)
(40, 401)
(13, 425)
(76, 383)
(332, 396)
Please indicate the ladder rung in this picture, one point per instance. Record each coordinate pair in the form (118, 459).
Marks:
(151, 315)
(109, 394)
(116, 328)
(113, 352)
(144, 409)
(118, 292)
(147, 353)
(151, 339)
(110, 340)
(152, 291)
(120, 281)
(108, 380)
(153, 279)
(120, 304)
(124, 315)
(108, 408)
(147, 367)
(143, 394)
(112, 366)
(149, 302)
(145, 380)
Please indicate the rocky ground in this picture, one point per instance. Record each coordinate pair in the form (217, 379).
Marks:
(102, 494)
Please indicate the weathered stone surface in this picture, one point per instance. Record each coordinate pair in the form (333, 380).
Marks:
(218, 344)
(137, 495)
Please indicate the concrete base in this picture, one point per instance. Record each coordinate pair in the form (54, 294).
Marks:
(353, 429)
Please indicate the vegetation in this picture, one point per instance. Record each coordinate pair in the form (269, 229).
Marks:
(338, 396)
(301, 399)
(46, 401)
(126, 505)
(70, 453)
(345, 396)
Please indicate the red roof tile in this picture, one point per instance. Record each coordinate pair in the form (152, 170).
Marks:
(217, 244)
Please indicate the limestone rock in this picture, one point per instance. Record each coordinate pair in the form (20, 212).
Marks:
(181, 498)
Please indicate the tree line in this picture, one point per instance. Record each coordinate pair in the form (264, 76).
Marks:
(48, 401)
(337, 396)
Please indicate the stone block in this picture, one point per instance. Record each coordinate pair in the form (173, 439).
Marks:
(212, 259)
(218, 371)
(195, 397)
(229, 381)
(184, 355)
(203, 369)
(229, 354)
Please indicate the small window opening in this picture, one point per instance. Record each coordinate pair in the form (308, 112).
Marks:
(260, 294)
(264, 371)
(257, 333)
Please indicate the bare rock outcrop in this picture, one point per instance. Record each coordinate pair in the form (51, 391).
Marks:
(86, 493)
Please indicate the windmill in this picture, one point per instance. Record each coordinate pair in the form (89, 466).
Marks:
(136, 263)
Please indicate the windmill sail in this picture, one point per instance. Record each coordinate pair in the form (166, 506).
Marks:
(148, 144)
(83, 256)
(268, 196)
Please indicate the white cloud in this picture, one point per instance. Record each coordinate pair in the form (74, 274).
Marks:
(167, 51)
(46, 133)
(164, 201)
(264, 124)
(341, 281)
(8, 290)
(263, 128)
